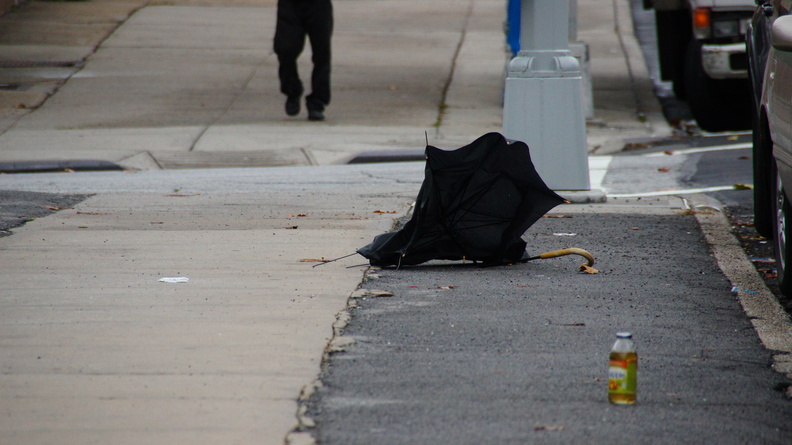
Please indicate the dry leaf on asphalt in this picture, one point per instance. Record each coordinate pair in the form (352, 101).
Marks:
(664, 170)
(549, 428)
(446, 287)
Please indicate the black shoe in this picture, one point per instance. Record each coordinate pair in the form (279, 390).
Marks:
(315, 115)
(293, 106)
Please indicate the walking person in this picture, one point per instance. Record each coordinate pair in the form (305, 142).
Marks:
(296, 20)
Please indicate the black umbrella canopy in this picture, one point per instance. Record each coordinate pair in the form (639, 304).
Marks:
(475, 204)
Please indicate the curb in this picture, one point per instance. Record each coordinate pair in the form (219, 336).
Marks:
(58, 166)
(768, 317)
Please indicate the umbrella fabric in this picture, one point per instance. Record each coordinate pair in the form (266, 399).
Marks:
(475, 203)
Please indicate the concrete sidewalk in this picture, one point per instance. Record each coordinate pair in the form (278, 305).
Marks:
(96, 349)
(185, 86)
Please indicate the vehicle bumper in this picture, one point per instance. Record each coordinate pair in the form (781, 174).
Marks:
(725, 61)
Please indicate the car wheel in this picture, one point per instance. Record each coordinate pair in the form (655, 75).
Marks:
(783, 236)
(763, 178)
(717, 105)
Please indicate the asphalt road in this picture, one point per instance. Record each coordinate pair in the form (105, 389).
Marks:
(17, 207)
(518, 354)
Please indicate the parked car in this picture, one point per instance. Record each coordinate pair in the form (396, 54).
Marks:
(757, 41)
(701, 47)
(769, 46)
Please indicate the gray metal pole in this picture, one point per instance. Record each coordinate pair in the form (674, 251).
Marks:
(542, 104)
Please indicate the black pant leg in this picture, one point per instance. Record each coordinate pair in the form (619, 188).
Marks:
(320, 31)
(288, 45)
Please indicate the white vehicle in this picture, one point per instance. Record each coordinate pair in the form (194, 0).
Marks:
(701, 45)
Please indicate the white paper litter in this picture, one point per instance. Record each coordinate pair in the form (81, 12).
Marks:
(174, 280)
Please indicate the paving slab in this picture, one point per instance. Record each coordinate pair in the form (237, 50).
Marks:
(220, 358)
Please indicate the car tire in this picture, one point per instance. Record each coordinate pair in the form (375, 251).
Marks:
(783, 235)
(763, 178)
(717, 105)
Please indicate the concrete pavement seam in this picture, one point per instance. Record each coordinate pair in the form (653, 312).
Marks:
(441, 108)
(230, 104)
(79, 66)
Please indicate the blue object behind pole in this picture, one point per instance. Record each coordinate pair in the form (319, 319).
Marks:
(513, 25)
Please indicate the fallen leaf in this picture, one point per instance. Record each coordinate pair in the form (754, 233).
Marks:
(550, 322)
(588, 269)
(446, 287)
(635, 228)
(636, 145)
(733, 138)
(694, 212)
(664, 170)
(743, 158)
(743, 187)
(668, 152)
(370, 293)
(556, 216)
(549, 428)
(380, 211)
(299, 215)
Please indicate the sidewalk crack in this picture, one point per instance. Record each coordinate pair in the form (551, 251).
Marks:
(443, 106)
(230, 104)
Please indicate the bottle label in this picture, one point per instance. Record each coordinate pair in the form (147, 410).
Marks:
(622, 377)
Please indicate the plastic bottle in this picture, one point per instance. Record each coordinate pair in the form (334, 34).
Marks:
(623, 370)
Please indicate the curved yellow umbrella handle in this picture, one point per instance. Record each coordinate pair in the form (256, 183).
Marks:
(570, 251)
